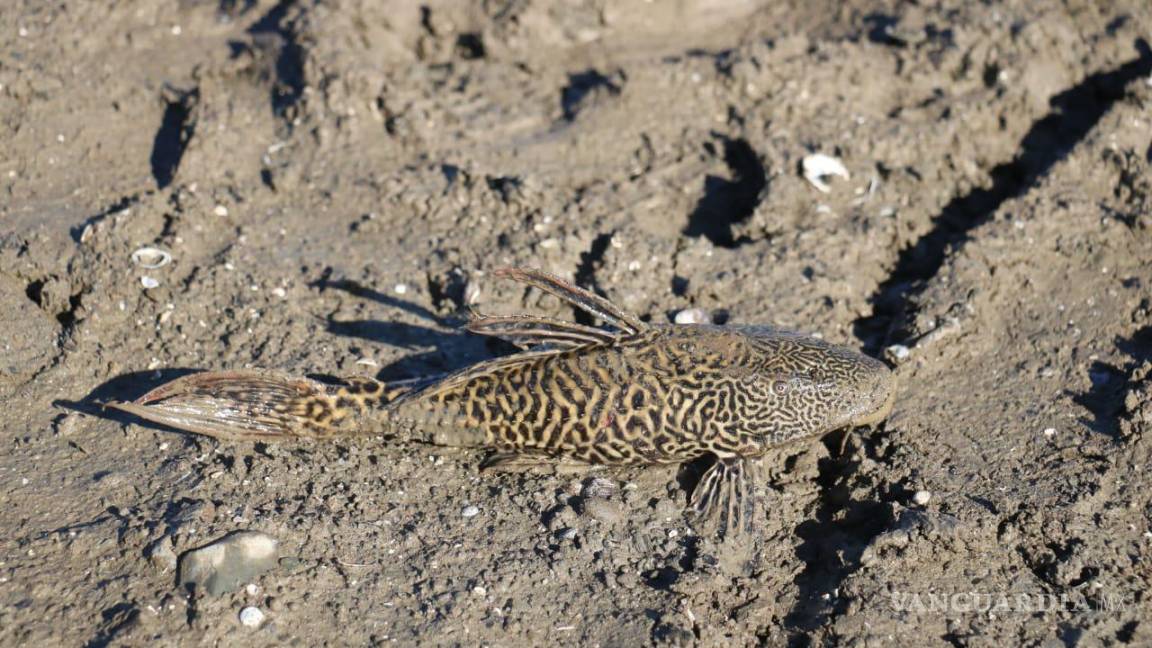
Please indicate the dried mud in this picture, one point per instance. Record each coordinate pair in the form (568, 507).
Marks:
(336, 180)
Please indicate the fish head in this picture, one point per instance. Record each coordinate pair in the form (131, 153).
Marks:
(803, 386)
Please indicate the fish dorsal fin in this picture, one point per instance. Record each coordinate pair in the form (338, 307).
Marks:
(527, 331)
(585, 300)
(537, 336)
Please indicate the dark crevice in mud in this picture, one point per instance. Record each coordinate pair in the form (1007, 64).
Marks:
(505, 186)
(585, 277)
(1105, 399)
(470, 46)
(583, 86)
(68, 317)
(176, 130)
(1074, 113)
(275, 31)
(1127, 632)
(834, 541)
(34, 291)
(727, 202)
(1111, 384)
(117, 621)
(1043, 563)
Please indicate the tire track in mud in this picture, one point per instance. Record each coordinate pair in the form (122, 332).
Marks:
(842, 528)
(1074, 113)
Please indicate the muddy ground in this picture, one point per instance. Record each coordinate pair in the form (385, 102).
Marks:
(335, 181)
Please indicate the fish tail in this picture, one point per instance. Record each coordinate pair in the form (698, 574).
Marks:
(261, 405)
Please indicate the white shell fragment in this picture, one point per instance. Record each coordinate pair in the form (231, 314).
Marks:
(819, 166)
(922, 497)
(149, 282)
(151, 258)
(897, 353)
(251, 617)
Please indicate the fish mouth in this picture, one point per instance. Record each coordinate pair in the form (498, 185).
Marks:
(879, 413)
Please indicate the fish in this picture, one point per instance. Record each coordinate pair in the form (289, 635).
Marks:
(625, 393)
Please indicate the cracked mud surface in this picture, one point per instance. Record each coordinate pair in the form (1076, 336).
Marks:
(336, 180)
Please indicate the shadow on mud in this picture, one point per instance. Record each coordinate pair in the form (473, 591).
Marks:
(450, 350)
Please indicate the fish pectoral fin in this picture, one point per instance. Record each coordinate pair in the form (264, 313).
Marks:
(724, 500)
(253, 405)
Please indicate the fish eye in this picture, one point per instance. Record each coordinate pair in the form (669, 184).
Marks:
(780, 386)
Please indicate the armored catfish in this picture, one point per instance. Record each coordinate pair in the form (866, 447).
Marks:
(631, 393)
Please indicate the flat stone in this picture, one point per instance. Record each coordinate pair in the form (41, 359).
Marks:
(229, 563)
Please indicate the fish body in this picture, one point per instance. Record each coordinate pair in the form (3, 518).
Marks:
(667, 395)
(634, 394)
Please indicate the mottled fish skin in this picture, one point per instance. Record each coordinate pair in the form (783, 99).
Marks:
(633, 394)
(666, 395)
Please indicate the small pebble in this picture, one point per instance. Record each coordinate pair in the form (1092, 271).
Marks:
(479, 590)
(470, 511)
(220, 210)
(605, 511)
(897, 352)
(401, 288)
(229, 563)
(599, 487)
(252, 589)
(922, 497)
(251, 617)
(148, 282)
(693, 316)
(1049, 432)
